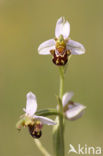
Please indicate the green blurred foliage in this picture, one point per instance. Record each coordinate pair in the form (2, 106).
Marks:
(23, 26)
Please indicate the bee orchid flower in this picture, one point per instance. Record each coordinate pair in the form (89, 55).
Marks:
(32, 121)
(62, 46)
(72, 110)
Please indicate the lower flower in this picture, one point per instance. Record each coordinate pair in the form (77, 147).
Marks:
(32, 121)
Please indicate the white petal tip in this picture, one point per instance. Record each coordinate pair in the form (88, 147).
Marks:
(24, 109)
(62, 28)
(30, 95)
(61, 20)
(46, 120)
(75, 47)
(75, 112)
(45, 47)
(31, 104)
(67, 97)
(53, 123)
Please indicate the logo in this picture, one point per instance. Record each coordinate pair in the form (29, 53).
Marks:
(90, 150)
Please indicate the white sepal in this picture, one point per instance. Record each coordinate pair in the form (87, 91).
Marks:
(75, 111)
(66, 98)
(75, 47)
(62, 28)
(31, 104)
(45, 47)
(45, 120)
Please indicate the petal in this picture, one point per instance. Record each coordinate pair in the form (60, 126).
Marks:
(66, 98)
(45, 120)
(62, 28)
(45, 47)
(75, 111)
(75, 47)
(31, 104)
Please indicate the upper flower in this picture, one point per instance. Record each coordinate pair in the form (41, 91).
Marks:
(30, 119)
(72, 110)
(61, 47)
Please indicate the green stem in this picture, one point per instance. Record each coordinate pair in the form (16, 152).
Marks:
(41, 148)
(58, 130)
(61, 70)
(61, 125)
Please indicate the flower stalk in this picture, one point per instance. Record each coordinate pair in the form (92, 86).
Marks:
(41, 148)
(61, 71)
(61, 125)
(59, 128)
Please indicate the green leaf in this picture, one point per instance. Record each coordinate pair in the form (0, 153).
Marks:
(47, 112)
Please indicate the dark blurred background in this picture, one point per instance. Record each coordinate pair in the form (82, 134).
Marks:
(23, 26)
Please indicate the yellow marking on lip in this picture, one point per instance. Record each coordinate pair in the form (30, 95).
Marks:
(60, 49)
(52, 52)
(60, 46)
(68, 52)
(33, 132)
(62, 55)
(62, 61)
(57, 61)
